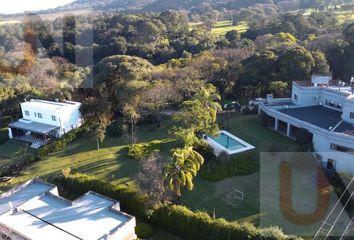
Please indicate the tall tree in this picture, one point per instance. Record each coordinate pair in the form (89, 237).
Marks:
(182, 169)
(200, 112)
(132, 116)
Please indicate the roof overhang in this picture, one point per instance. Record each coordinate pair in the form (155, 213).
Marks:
(34, 127)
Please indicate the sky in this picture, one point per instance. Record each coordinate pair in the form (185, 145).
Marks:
(18, 6)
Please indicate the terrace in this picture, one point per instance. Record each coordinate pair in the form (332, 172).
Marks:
(316, 115)
(335, 86)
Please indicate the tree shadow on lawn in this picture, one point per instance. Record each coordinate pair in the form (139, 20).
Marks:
(121, 167)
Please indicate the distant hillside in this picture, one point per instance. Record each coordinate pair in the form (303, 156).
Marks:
(109, 4)
(188, 5)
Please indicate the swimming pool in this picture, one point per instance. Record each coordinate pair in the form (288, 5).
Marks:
(229, 143)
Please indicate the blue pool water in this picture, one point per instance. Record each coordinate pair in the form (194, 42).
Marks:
(228, 142)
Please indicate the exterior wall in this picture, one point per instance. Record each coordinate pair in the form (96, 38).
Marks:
(344, 161)
(46, 114)
(330, 96)
(7, 233)
(10, 133)
(348, 108)
(67, 118)
(70, 118)
(305, 98)
(126, 232)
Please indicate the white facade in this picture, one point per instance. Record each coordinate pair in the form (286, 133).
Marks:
(45, 120)
(34, 210)
(332, 122)
(65, 115)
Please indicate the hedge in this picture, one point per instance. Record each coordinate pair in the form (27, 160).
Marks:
(200, 226)
(129, 198)
(241, 164)
(178, 220)
(141, 150)
(144, 231)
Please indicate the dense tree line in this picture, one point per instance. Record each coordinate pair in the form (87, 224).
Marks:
(136, 57)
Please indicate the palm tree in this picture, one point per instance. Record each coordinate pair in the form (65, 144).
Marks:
(182, 169)
(200, 112)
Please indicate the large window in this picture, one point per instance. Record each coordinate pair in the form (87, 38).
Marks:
(39, 115)
(340, 148)
(54, 118)
(27, 113)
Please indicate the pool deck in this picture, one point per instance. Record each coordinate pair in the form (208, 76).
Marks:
(218, 146)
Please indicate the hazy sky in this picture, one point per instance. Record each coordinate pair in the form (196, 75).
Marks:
(17, 6)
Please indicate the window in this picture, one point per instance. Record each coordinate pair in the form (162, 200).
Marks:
(295, 97)
(340, 148)
(39, 115)
(27, 113)
(54, 118)
(352, 115)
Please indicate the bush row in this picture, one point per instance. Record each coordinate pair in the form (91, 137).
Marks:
(241, 164)
(61, 142)
(142, 150)
(178, 220)
(129, 198)
(200, 226)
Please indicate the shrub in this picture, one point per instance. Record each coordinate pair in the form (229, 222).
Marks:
(115, 129)
(241, 164)
(142, 150)
(200, 226)
(205, 150)
(144, 231)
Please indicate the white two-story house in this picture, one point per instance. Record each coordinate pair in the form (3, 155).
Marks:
(43, 121)
(326, 109)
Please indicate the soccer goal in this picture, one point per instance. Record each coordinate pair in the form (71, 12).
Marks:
(235, 198)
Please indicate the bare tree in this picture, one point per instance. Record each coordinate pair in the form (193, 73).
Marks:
(155, 99)
(150, 179)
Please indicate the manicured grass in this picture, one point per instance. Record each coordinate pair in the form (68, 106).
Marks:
(10, 151)
(220, 28)
(112, 164)
(215, 195)
(109, 163)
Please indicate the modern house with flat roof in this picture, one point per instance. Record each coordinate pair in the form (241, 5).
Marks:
(323, 107)
(34, 210)
(43, 121)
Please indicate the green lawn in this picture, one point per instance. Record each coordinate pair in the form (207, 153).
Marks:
(10, 151)
(109, 163)
(217, 195)
(220, 28)
(112, 164)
